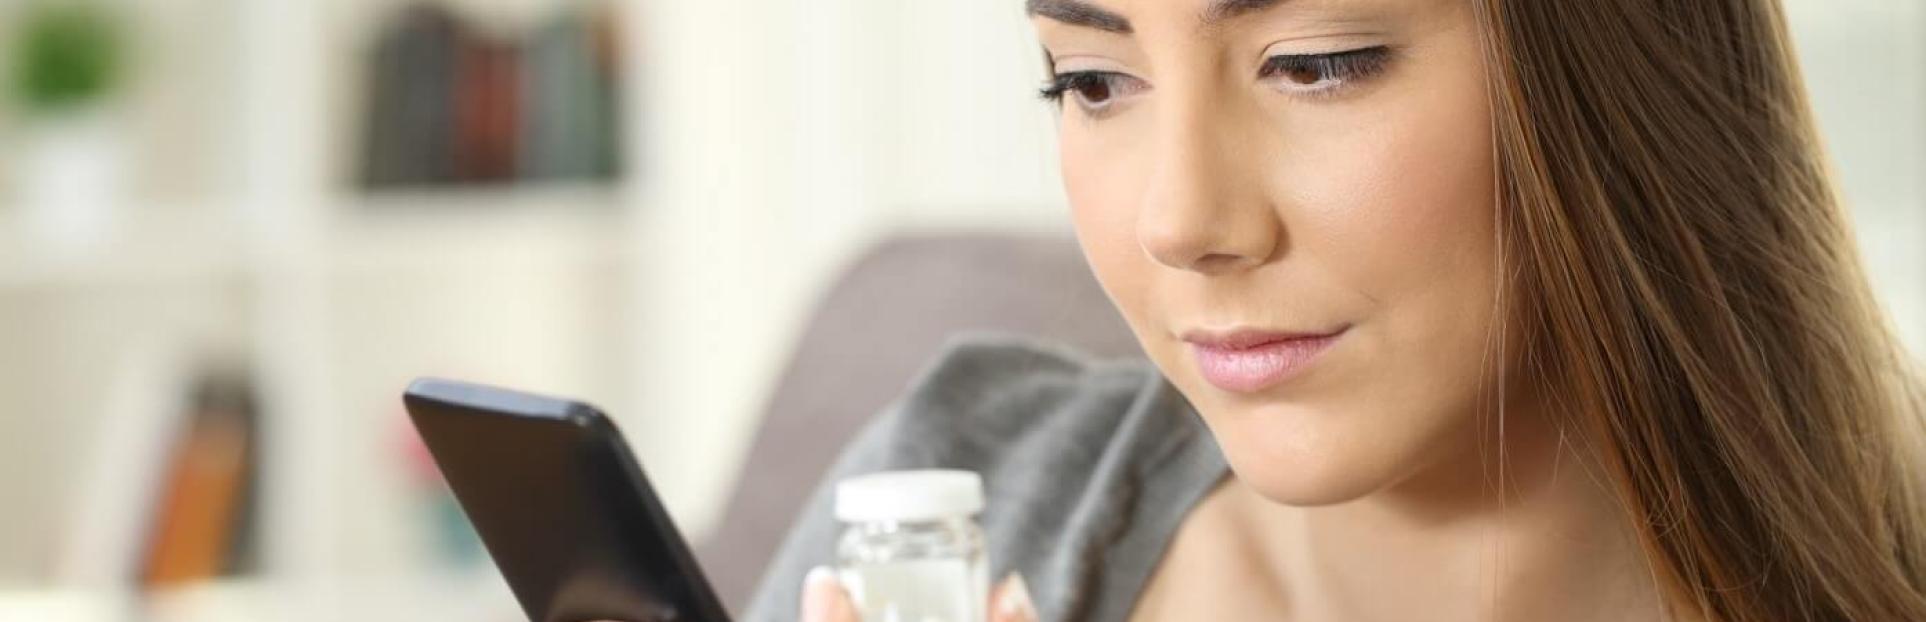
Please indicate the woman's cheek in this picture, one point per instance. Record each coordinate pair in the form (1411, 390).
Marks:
(1101, 192)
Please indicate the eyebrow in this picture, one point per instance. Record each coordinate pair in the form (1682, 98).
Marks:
(1080, 13)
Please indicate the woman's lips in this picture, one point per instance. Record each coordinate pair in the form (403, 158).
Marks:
(1248, 361)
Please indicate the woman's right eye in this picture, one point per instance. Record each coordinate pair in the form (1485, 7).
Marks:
(1092, 90)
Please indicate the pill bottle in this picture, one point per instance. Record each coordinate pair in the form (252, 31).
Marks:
(911, 549)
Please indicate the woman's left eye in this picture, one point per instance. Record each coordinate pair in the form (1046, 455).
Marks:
(1319, 74)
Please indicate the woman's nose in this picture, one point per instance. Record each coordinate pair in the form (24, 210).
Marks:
(1204, 209)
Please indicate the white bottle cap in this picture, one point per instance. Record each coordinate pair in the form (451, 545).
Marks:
(920, 495)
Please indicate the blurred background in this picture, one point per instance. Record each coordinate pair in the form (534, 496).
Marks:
(232, 230)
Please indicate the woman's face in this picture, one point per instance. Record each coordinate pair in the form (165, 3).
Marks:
(1315, 171)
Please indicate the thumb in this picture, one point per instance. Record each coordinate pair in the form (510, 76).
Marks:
(823, 598)
(1011, 602)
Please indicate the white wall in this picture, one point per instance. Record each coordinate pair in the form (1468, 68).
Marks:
(797, 134)
(1865, 65)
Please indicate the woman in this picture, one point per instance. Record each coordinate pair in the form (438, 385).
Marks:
(1472, 310)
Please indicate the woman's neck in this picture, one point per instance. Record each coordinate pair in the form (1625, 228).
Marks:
(1445, 545)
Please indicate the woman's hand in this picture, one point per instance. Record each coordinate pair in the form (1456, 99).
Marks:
(825, 600)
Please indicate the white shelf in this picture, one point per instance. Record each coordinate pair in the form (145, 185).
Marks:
(146, 245)
(479, 594)
(569, 225)
(434, 202)
(152, 245)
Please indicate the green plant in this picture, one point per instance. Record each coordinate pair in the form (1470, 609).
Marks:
(68, 55)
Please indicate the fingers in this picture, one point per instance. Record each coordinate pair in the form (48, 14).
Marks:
(1010, 601)
(823, 598)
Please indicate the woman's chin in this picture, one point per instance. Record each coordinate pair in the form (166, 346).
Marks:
(1307, 464)
(1306, 476)
(1305, 489)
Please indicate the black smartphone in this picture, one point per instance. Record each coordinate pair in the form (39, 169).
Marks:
(561, 505)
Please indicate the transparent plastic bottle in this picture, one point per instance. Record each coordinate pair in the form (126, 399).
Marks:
(911, 550)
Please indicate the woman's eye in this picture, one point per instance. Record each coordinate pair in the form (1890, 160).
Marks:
(1324, 73)
(1092, 90)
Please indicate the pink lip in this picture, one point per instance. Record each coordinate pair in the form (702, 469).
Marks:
(1248, 361)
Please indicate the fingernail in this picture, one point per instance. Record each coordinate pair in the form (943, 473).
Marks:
(815, 597)
(1015, 600)
(819, 574)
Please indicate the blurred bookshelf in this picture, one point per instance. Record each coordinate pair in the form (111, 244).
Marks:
(247, 229)
(759, 148)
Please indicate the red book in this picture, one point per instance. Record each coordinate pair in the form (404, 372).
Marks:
(487, 111)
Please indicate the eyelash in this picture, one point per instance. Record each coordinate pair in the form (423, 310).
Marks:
(1340, 68)
(1080, 83)
(1333, 71)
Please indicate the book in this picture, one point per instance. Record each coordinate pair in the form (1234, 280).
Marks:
(202, 523)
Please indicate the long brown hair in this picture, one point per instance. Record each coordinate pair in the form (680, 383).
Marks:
(1689, 289)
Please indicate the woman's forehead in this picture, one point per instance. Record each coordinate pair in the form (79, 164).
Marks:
(1112, 15)
(1128, 16)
